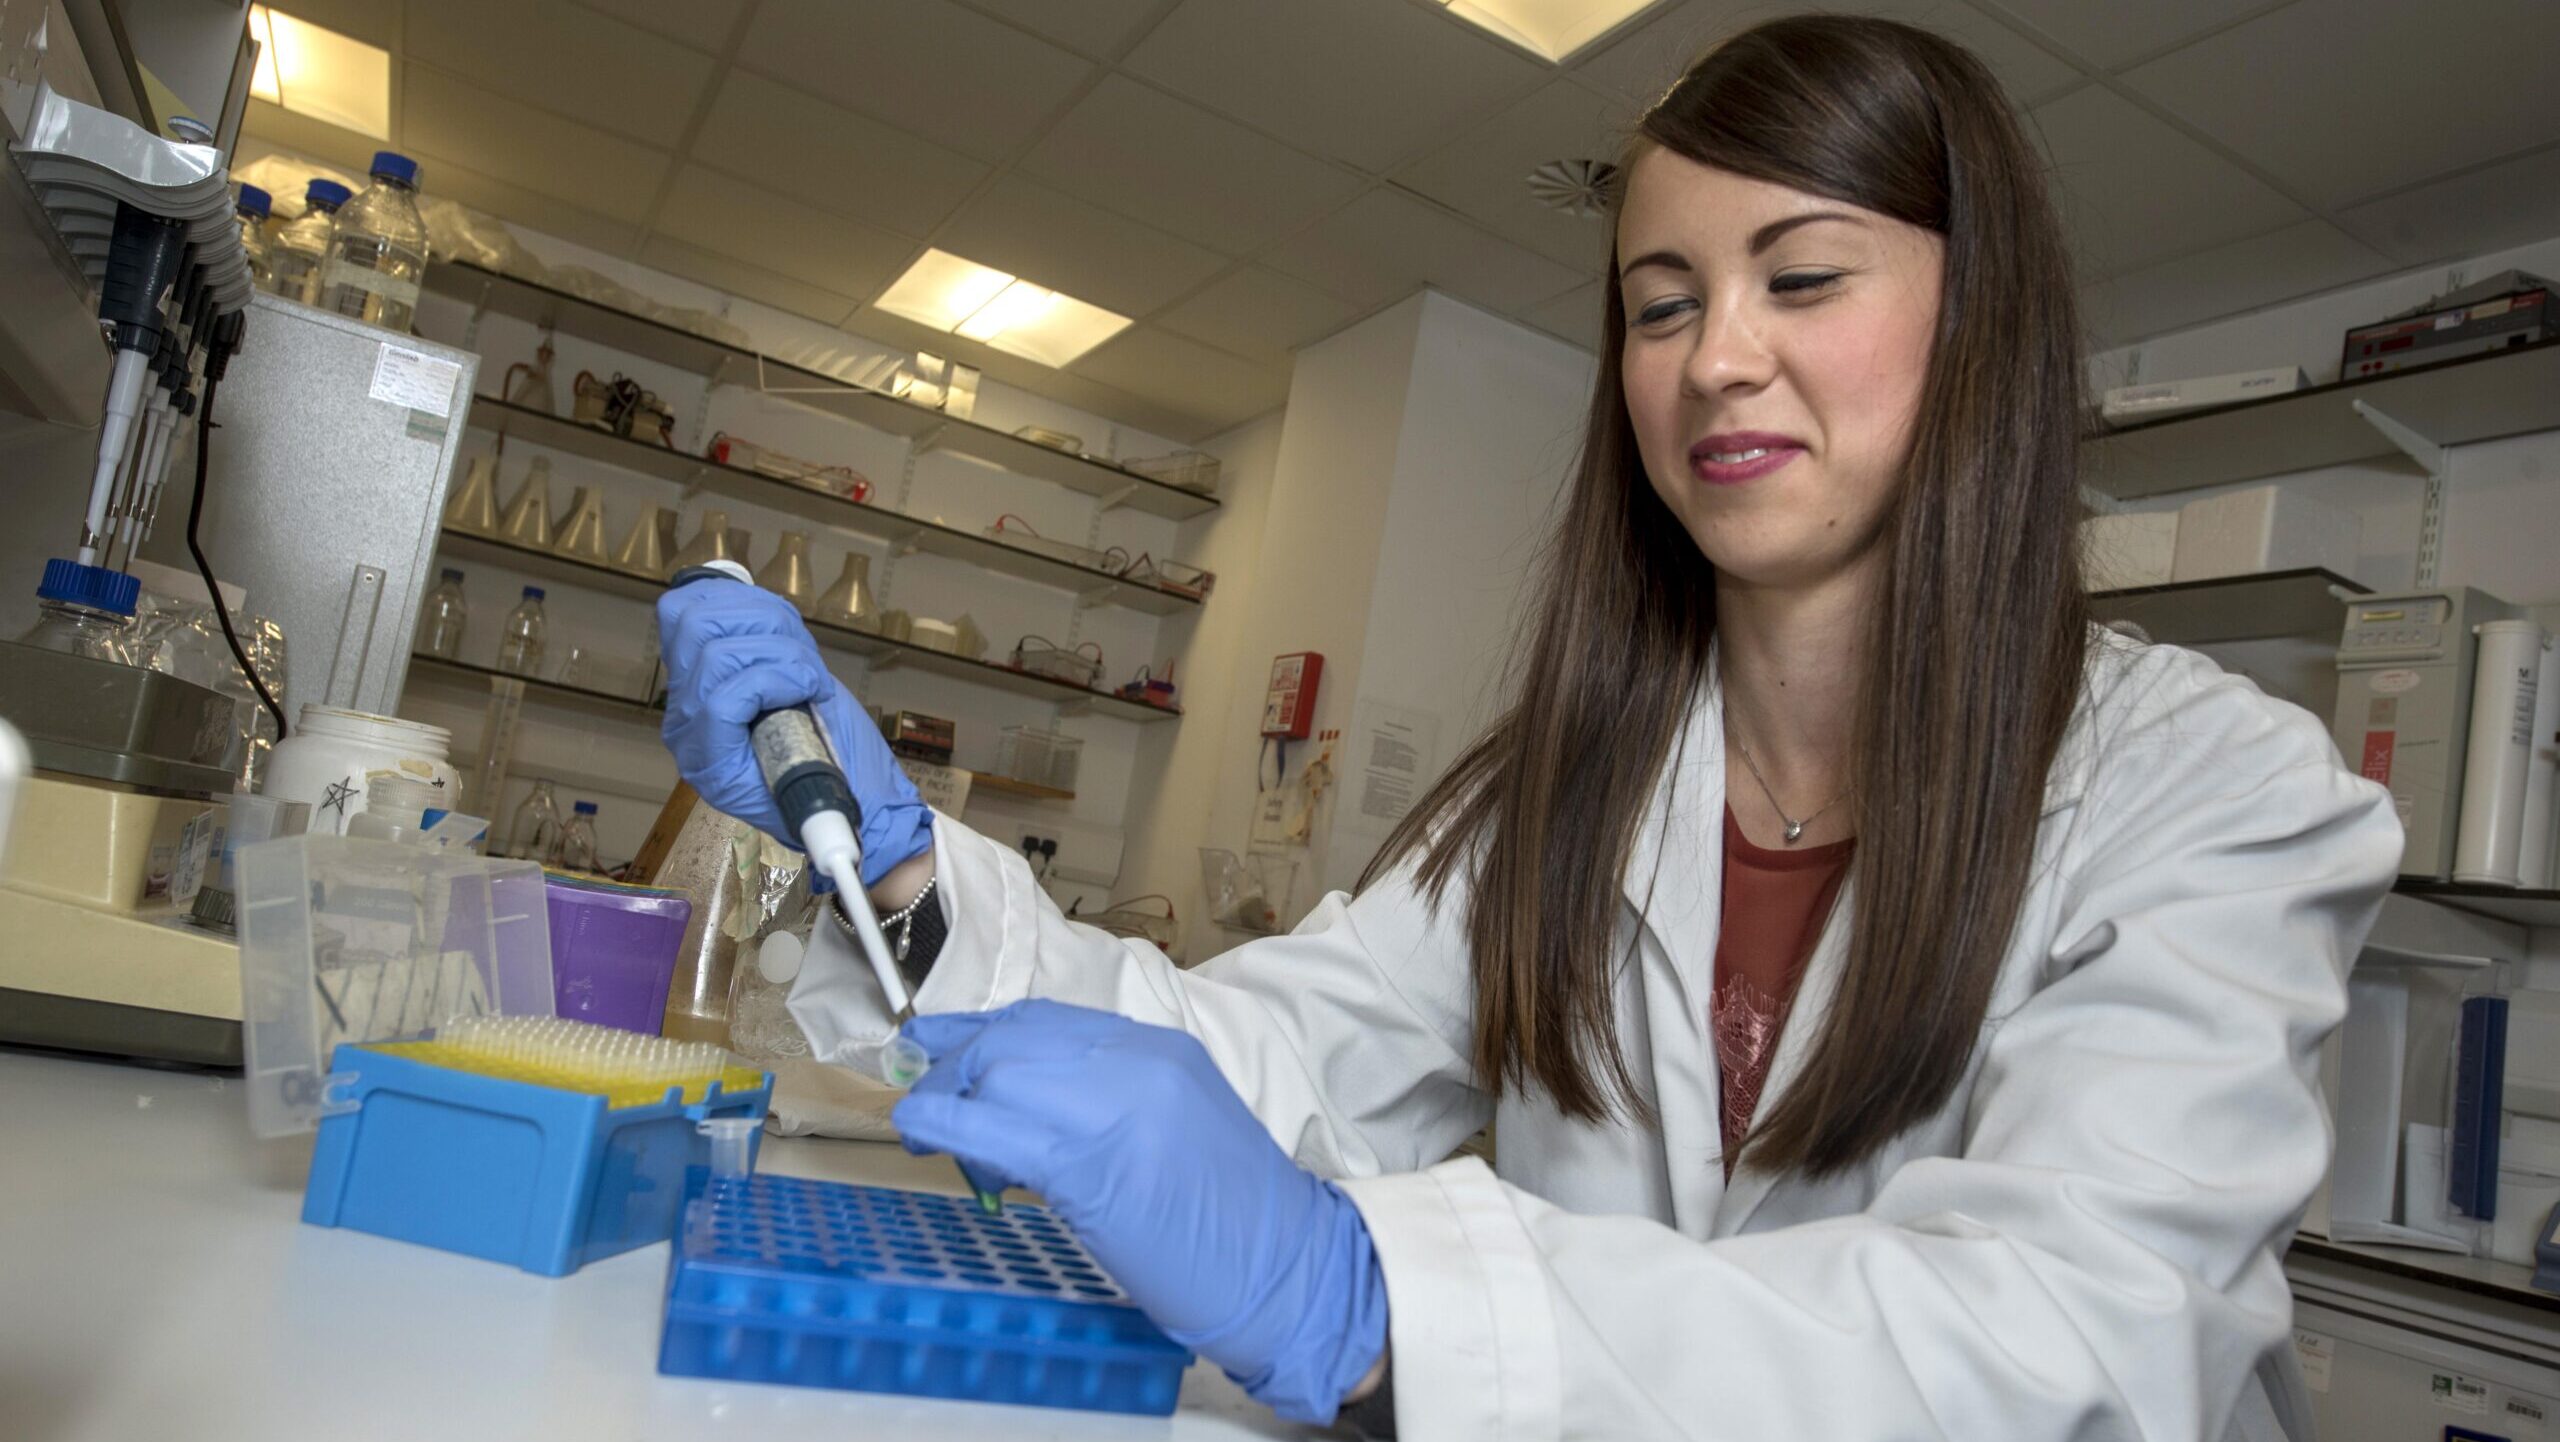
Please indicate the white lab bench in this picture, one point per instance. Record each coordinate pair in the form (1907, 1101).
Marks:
(156, 1280)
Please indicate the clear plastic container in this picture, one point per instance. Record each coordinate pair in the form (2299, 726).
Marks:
(86, 611)
(520, 645)
(441, 622)
(378, 252)
(1040, 757)
(252, 209)
(535, 832)
(576, 848)
(395, 807)
(296, 255)
(344, 939)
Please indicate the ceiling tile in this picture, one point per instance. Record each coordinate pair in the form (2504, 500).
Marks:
(1382, 246)
(1369, 82)
(2112, 33)
(537, 209)
(311, 139)
(801, 146)
(1065, 244)
(1572, 316)
(925, 66)
(1159, 366)
(1485, 173)
(2134, 192)
(2344, 99)
(2260, 271)
(585, 167)
(1644, 64)
(1201, 176)
(370, 21)
(565, 60)
(1091, 27)
(1259, 314)
(702, 24)
(2492, 208)
(741, 279)
(744, 222)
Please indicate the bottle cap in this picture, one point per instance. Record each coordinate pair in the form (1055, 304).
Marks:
(584, 808)
(533, 593)
(399, 169)
(95, 587)
(254, 201)
(452, 574)
(326, 194)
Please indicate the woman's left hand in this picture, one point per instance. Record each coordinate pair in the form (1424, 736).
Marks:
(1135, 1138)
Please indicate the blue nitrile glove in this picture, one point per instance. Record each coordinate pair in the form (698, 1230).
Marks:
(1135, 1139)
(735, 651)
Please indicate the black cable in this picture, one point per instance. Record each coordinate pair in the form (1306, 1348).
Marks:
(204, 568)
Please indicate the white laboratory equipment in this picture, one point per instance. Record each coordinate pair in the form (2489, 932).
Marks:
(2498, 757)
(2406, 668)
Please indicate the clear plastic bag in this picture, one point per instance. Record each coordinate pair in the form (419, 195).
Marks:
(1246, 892)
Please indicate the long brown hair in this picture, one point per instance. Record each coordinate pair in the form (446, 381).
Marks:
(1972, 664)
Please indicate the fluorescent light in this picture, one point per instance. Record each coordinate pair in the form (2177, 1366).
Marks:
(315, 71)
(997, 309)
(1552, 30)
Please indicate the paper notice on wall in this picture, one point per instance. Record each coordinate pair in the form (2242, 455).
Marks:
(1394, 757)
(944, 788)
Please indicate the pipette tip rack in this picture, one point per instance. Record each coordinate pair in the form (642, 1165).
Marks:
(822, 1284)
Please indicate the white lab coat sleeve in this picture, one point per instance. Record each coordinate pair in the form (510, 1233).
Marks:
(1347, 1037)
(2100, 1261)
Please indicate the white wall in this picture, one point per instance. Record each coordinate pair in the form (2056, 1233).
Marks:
(1411, 478)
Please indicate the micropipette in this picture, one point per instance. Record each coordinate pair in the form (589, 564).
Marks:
(818, 806)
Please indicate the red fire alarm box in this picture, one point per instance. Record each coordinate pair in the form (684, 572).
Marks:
(1289, 707)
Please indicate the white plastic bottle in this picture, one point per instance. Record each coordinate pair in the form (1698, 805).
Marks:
(520, 646)
(378, 253)
(252, 210)
(295, 256)
(441, 623)
(576, 850)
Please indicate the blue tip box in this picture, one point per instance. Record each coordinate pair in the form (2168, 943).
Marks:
(533, 1176)
(822, 1284)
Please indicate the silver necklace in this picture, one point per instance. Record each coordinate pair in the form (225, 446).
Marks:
(1794, 827)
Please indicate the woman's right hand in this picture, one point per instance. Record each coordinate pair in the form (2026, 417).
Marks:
(734, 652)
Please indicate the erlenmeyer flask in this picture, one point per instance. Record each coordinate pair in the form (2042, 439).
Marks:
(474, 506)
(528, 519)
(787, 574)
(709, 543)
(582, 530)
(645, 551)
(849, 601)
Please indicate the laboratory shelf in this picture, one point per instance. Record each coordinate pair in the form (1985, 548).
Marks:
(2308, 601)
(2518, 905)
(470, 675)
(882, 652)
(2478, 1276)
(931, 429)
(2461, 402)
(1006, 785)
(1091, 586)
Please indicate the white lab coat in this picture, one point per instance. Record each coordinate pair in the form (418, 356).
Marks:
(2083, 1242)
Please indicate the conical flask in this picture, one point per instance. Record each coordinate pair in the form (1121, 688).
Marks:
(645, 551)
(734, 546)
(528, 519)
(582, 530)
(849, 601)
(474, 507)
(787, 574)
(711, 543)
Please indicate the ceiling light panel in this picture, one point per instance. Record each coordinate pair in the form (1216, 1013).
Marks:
(1552, 30)
(314, 71)
(997, 309)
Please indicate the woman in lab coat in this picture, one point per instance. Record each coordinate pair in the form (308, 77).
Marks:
(1895, 1002)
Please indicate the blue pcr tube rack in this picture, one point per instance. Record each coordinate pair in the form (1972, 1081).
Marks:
(822, 1284)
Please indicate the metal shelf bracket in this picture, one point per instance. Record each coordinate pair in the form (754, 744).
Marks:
(2433, 459)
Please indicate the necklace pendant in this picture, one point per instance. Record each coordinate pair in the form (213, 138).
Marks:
(1794, 830)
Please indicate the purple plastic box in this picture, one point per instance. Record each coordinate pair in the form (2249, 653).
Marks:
(613, 951)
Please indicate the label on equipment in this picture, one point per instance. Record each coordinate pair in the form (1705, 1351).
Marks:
(2462, 1394)
(2392, 683)
(372, 282)
(2316, 1352)
(2377, 756)
(414, 379)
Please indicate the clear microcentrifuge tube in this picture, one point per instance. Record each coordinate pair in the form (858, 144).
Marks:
(730, 1141)
(902, 1062)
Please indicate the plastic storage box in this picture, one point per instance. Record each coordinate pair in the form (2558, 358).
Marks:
(535, 1176)
(1043, 758)
(1191, 470)
(613, 950)
(821, 1284)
